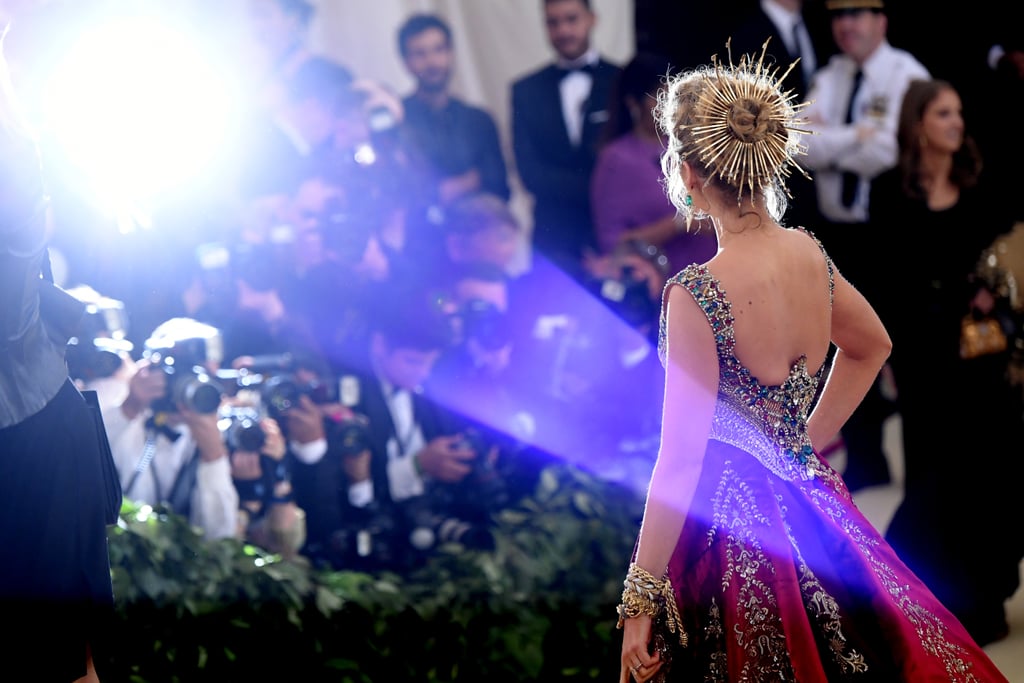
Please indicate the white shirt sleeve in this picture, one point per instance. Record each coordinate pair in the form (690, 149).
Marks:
(360, 494)
(309, 453)
(215, 500)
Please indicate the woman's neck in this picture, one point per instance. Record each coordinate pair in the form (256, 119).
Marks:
(936, 170)
(741, 223)
(935, 167)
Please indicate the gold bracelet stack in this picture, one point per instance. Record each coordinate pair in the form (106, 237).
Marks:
(644, 594)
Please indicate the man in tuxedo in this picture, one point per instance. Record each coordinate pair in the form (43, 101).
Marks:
(558, 113)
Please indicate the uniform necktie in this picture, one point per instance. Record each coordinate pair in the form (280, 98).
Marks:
(851, 180)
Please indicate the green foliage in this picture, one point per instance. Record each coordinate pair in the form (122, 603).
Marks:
(538, 607)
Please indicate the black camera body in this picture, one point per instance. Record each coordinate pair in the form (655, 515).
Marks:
(368, 541)
(430, 522)
(282, 392)
(242, 430)
(349, 436)
(188, 386)
(628, 296)
(486, 323)
(98, 348)
(182, 348)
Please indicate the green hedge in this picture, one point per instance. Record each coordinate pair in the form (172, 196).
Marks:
(541, 606)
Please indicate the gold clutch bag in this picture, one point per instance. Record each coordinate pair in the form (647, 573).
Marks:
(981, 337)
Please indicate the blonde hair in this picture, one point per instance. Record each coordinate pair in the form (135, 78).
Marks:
(736, 128)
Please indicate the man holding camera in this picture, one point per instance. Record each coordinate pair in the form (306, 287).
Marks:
(165, 439)
(415, 463)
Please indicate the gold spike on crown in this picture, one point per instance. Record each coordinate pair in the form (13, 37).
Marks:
(757, 164)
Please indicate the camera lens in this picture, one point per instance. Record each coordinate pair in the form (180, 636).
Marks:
(199, 394)
(245, 434)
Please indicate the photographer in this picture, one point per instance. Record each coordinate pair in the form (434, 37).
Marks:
(166, 443)
(474, 375)
(327, 448)
(425, 465)
(268, 514)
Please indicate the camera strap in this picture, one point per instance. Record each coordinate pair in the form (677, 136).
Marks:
(148, 451)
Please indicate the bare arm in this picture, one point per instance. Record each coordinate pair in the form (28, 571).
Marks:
(691, 387)
(862, 346)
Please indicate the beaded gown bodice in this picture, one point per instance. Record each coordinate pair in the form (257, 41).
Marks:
(769, 421)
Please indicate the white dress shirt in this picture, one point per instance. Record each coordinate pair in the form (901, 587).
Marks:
(575, 91)
(834, 146)
(404, 480)
(214, 498)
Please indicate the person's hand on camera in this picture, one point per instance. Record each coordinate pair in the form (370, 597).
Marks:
(377, 97)
(644, 270)
(274, 445)
(355, 466)
(205, 432)
(446, 459)
(146, 385)
(305, 421)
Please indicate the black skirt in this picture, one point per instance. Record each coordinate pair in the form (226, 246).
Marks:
(58, 492)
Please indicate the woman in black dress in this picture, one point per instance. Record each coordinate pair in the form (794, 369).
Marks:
(936, 213)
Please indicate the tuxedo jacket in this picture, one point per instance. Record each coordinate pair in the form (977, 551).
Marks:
(554, 171)
(433, 419)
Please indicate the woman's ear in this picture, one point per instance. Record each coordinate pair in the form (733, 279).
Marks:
(686, 171)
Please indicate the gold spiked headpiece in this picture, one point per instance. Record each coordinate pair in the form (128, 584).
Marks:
(763, 157)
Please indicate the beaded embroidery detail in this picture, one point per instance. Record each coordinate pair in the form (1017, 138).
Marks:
(770, 421)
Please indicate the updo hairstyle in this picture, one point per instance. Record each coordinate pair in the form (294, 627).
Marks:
(736, 128)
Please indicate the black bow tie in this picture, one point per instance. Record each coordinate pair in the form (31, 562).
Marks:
(564, 71)
(160, 427)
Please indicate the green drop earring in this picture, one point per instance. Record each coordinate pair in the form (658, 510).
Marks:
(689, 210)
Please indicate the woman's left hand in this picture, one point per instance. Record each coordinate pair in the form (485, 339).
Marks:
(637, 662)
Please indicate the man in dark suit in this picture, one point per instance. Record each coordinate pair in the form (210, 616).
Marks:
(558, 113)
(419, 459)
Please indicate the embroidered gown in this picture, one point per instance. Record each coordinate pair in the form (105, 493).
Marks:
(777, 573)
